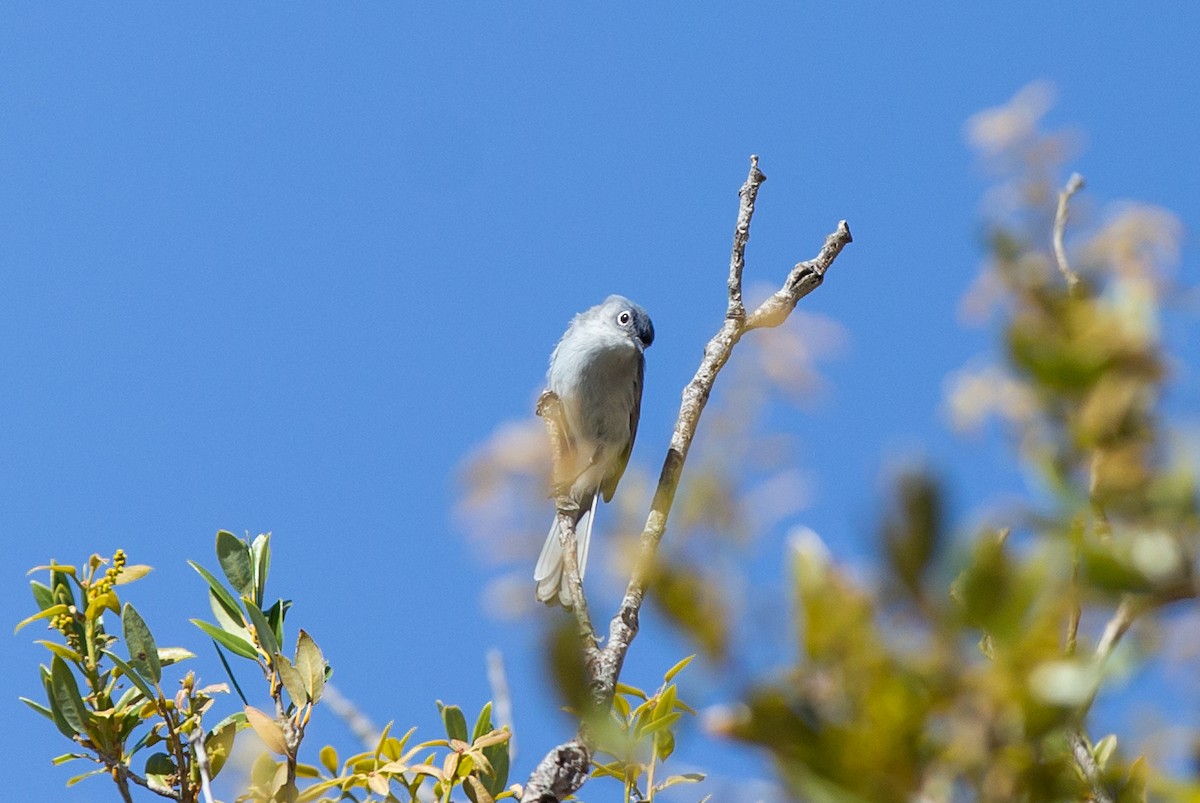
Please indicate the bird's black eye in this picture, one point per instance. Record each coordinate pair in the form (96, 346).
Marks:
(624, 318)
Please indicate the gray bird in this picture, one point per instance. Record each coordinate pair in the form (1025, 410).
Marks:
(596, 371)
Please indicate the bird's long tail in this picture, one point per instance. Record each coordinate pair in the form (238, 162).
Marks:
(550, 574)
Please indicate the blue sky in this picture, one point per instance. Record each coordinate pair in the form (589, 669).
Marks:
(279, 268)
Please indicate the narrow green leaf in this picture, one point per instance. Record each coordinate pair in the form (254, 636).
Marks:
(310, 663)
(133, 676)
(316, 790)
(658, 724)
(173, 655)
(483, 723)
(679, 667)
(42, 594)
(53, 567)
(58, 761)
(260, 553)
(275, 616)
(262, 628)
(133, 573)
(143, 652)
(226, 599)
(291, 680)
(48, 613)
(230, 642)
(61, 650)
(234, 557)
(456, 723)
(66, 696)
(56, 714)
(41, 709)
(666, 703)
(497, 755)
(72, 781)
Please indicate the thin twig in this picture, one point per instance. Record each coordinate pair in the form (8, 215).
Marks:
(565, 768)
(1074, 185)
(741, 235)
(201, 754)
(1087, 764)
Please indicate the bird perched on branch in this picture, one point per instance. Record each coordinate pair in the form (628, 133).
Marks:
(596, 374)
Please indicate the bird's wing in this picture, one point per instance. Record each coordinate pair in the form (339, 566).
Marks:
(609, 486)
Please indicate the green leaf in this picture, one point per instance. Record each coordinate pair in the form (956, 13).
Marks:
(72, 781)
(143, 652)
(42, 594)
(132, 573)
(275, 616)
(497, 756)
(61, 650)
(329, 759)
(159, 769)
(687, 777)
(66, 696)
(52, 567)
(267, 729)
(658, 724)
(666, 703)
(483, 723)
(173, 655)
(291, 680)
(456, 723)
(260, 554)
(679, 667)
(99, 604)
(262, 628)
(310, 663)
(56, 714)
(234, 557)
(316, 790)
(41, 709)
(218, 744)
(230, 642)
(48, 613)
(224, 597)
(133, 676)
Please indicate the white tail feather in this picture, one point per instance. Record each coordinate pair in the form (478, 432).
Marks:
(549, 573)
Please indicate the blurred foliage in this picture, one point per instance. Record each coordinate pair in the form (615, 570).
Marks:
(639, 734)
(962, 666)
(114, 707)
(910, 688)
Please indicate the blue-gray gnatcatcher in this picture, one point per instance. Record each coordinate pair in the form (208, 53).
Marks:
(596, 372)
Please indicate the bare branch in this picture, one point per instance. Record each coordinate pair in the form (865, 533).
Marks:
(804, 278)
(1074, 185)
(197, 740)
(741, 235)
(565, 768)
(560, 773)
